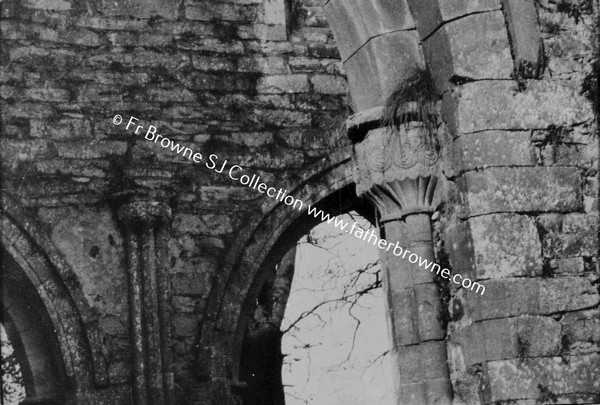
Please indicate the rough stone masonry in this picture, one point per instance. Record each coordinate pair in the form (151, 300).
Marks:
(129, 274)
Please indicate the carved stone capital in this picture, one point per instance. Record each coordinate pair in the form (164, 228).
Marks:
(398, 198)
(140, 210)
(397, 170)
(144, 212)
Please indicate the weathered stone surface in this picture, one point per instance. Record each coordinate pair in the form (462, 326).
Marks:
(279, 118)
(564, 47)
(574, 155)
(250, 139)
(96, 168)
(370, 75)
(283, 84)
(582, 328)
(405, 322)
(87, 150)
(524, 189)
(495, 148)
(460, 248)
(474, 47)
(510, 379)
(141, 9)
(499, 105)
(185, 325)
(13, 151)
(498, 339)
(195, 70)
(572, 266)
(451, 9)
(430, 16)
(498, 253)
(193, 264)
(213, 45)
(209, 224)
(274, 12)
(263, 32)
(266, 65)
(569, 235)
(525, 37)
(355, 22)
(328, 84)
(63, 129)
(209, 11)
(218, 193)
(424, 359)
(184, 304)
(138, 59)
(58, 5)
(512, 297)
(95, 253)
(191, 283)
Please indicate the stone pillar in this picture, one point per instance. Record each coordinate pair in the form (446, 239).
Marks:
(396, 169)
(145, 222)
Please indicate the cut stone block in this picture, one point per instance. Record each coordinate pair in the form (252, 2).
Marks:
(473, 47)
(525, 37)
(510, 379)
(570, 235)
(355, 22)
(524, 189)
(495, 148)
(497, 104)
(370, 75)
(499, 253)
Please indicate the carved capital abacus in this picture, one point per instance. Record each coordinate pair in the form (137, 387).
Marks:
(396, 170)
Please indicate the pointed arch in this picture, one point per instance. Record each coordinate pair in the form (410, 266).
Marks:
(46, 313)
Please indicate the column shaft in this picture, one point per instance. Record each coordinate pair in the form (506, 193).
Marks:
(135, 321)
(414, 307)
(145, 224)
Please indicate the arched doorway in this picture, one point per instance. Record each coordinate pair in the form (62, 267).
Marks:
(52, 328)
(29, 329)
(335, 343)
(261, 355)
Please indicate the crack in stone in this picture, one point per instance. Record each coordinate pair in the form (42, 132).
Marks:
(439, 27)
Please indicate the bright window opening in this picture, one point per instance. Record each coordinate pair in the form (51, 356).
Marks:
(336, 342)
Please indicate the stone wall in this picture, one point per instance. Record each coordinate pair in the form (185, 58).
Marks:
(523, 185)
(261, 83)
(254, 82)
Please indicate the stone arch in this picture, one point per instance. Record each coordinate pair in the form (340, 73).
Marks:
(30, 330)
(382, 41)
(381, 44)
(68, 344)
(265, 239)
(329, 185)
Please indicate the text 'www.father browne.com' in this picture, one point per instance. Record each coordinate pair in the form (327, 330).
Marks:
(237, 173)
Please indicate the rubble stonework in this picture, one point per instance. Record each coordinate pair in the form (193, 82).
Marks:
(268, 85)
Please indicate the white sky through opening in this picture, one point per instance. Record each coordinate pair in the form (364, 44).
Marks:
(322, 365)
